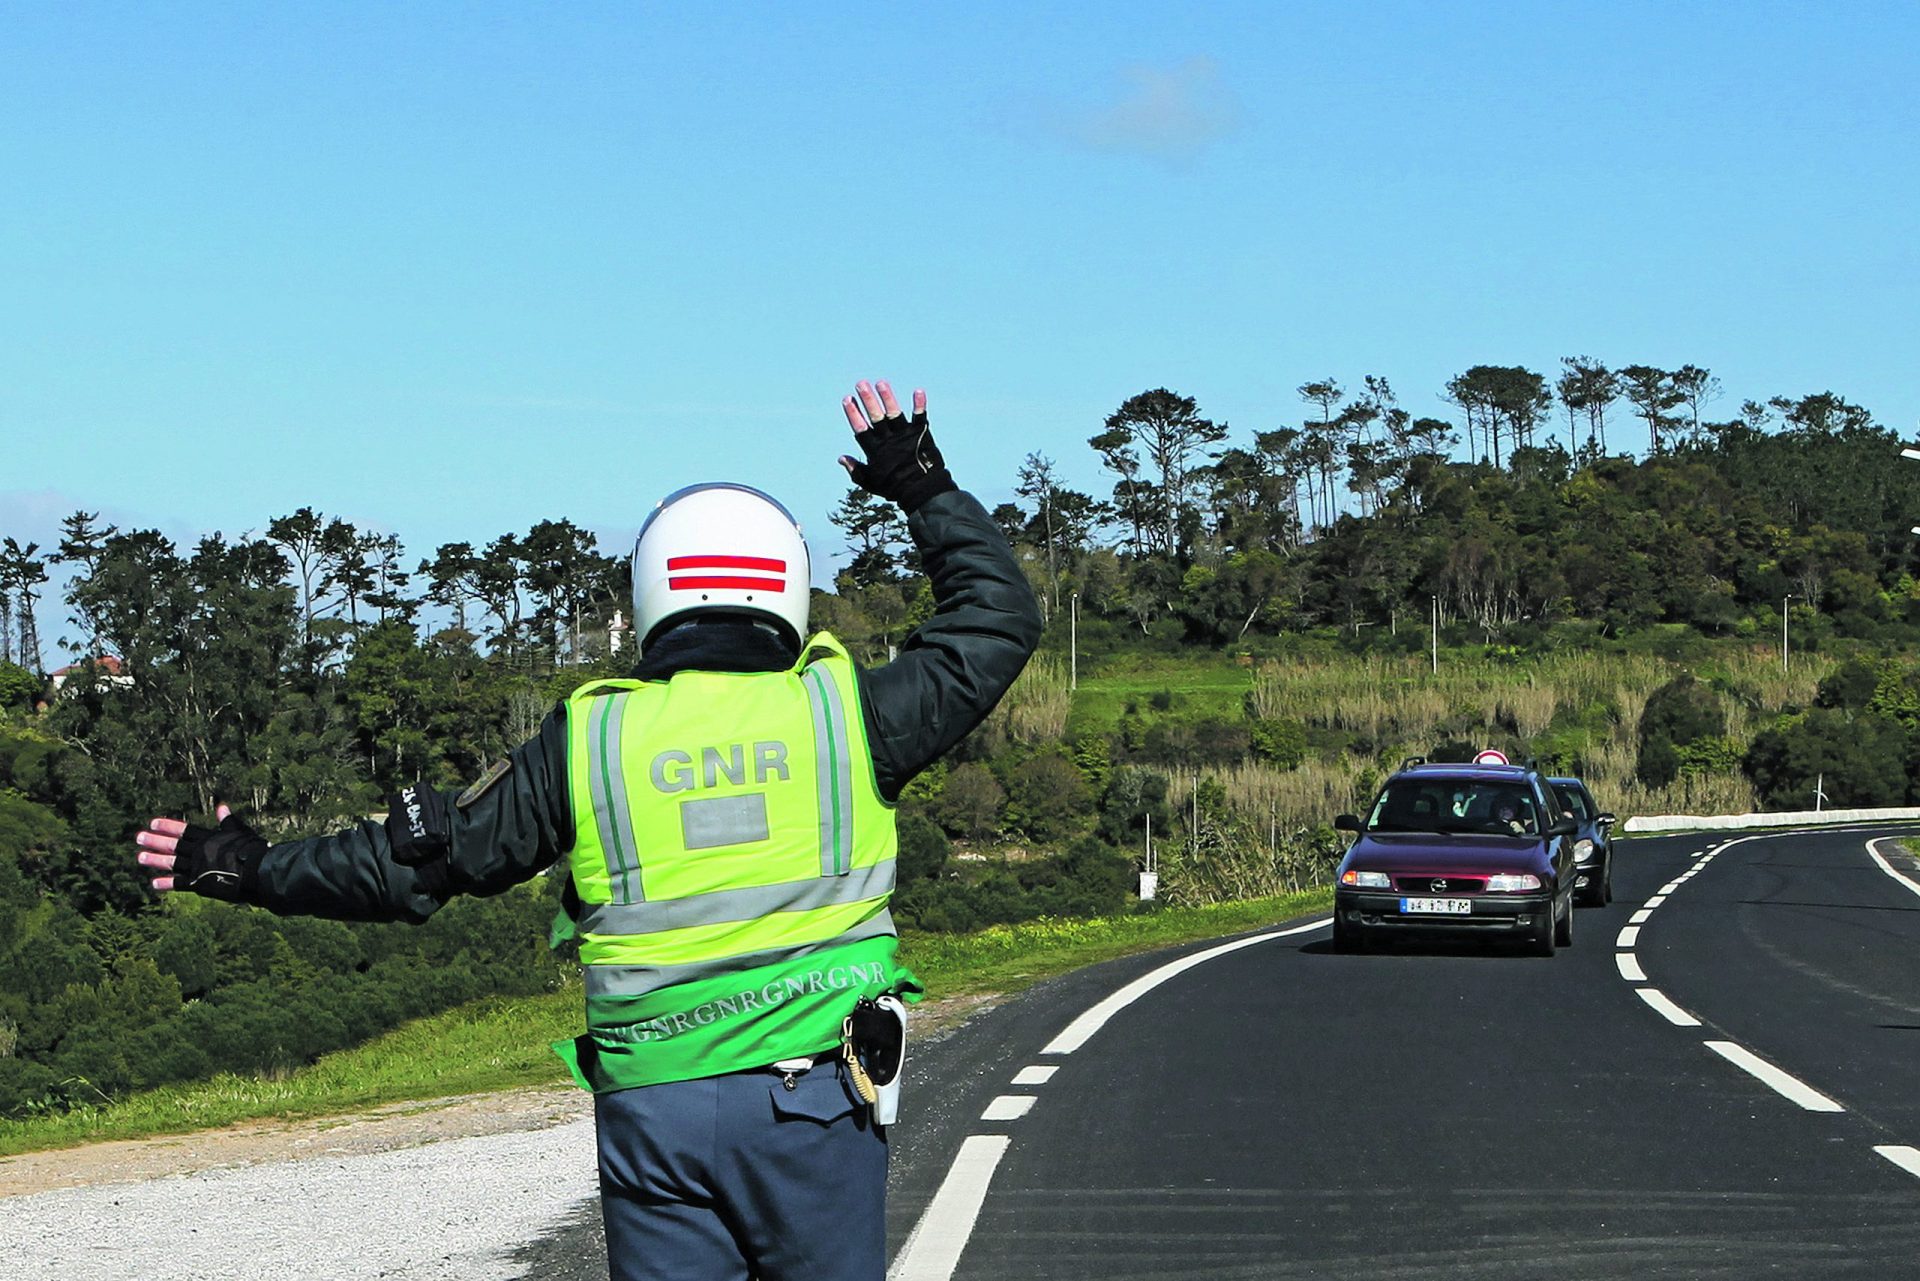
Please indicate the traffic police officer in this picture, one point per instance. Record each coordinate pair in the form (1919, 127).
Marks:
(726, 822)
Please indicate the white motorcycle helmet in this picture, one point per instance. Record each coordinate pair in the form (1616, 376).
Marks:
(720, 548)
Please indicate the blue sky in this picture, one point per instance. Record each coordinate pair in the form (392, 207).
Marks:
(447, 270)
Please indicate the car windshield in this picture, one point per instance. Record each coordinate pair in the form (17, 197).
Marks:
(1575, 803)
(1455, 805)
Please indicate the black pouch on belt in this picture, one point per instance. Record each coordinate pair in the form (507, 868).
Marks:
(880, 1039)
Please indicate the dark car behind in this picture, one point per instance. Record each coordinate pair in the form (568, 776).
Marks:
(1592, 843)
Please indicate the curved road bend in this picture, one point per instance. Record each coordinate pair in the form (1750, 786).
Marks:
(1436, 1111)
(1281, 1111)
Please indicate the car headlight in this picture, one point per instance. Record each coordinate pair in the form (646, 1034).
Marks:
(1368, 880)
(1510, 882)
(1582, 851)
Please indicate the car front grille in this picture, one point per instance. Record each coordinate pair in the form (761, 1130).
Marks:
(1446, 886)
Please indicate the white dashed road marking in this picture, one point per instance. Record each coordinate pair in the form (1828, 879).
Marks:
(1906, 1158)
(1667, 1009)
(1629, 935)
(1788, 1087)
(933, 1251)
(1009, 1107)
(1629, 967)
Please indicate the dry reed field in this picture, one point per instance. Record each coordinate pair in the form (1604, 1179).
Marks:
(1272, 836)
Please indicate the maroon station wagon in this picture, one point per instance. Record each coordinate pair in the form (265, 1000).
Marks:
(1480, 849)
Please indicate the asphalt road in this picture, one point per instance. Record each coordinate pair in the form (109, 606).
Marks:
(1443, 1111)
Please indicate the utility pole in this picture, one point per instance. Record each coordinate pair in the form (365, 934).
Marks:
(1436, 635)
(1915, 455)
(1073, 646)
(1783, 632)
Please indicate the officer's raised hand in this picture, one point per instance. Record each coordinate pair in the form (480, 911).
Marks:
(216, 862)
(903, 464)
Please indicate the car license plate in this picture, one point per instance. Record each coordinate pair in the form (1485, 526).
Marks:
(1436, 906)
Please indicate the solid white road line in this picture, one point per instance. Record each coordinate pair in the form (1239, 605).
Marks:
(1906, 1158)
(1640, 917)
(1009, 1107)
(1081, 1030)
(1039, 1074)
(1891, 870)
(933, 1251)
(1629, 967)
(1788, 1087)
(1629, 935)
(1667, 1009)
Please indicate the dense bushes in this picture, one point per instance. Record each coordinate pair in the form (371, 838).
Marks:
(1679, 715)
(93, 1007)
(1859, 744)
(1856, 758)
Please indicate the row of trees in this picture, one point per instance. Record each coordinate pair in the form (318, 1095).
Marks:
(1361, 515)
(308, 671)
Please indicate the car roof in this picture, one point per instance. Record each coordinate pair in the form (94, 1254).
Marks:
(1467, 770)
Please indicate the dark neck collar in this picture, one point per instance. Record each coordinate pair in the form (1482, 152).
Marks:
(715, 645)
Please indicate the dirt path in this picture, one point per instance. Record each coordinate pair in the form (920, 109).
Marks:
(382, 1129)
(396, 1125)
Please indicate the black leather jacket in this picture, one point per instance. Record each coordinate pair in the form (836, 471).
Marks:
(948, 676)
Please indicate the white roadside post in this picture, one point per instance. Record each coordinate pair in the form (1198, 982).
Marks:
(1150, 873)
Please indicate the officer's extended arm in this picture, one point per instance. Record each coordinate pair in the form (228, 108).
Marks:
(432, 846)
(986, 622)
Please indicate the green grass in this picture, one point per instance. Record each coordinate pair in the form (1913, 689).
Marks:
(1010, 958)
(492, 1044)
(1214, 685)
(502, 1043)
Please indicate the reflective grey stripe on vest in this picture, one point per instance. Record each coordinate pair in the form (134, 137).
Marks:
(607, 785)
(638, 980)
(833, 772)
(719, 907)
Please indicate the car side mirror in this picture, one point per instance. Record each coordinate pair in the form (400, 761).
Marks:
(1606, 819)
(1346, 823)
(1563, 826)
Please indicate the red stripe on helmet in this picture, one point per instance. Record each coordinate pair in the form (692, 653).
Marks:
(702, 583)
(761, 563)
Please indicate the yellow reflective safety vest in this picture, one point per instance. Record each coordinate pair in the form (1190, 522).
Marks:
(732, 863)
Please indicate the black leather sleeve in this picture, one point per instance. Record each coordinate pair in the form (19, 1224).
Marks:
(955, 666)
(507, 833)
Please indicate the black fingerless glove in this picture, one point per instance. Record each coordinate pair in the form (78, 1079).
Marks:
(903, 463)
(219, 862)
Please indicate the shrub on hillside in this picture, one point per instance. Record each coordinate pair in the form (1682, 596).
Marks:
(1857, 758)
(1134, 797)
(1677, 714)
(1280, 742)
(970, 804)
(1849, 685)
(923, 850)
(1047, 798)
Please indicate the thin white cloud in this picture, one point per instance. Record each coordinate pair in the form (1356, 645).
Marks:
(1171, 114)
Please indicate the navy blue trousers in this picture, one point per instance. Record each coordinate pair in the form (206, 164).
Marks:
(736, 1177)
